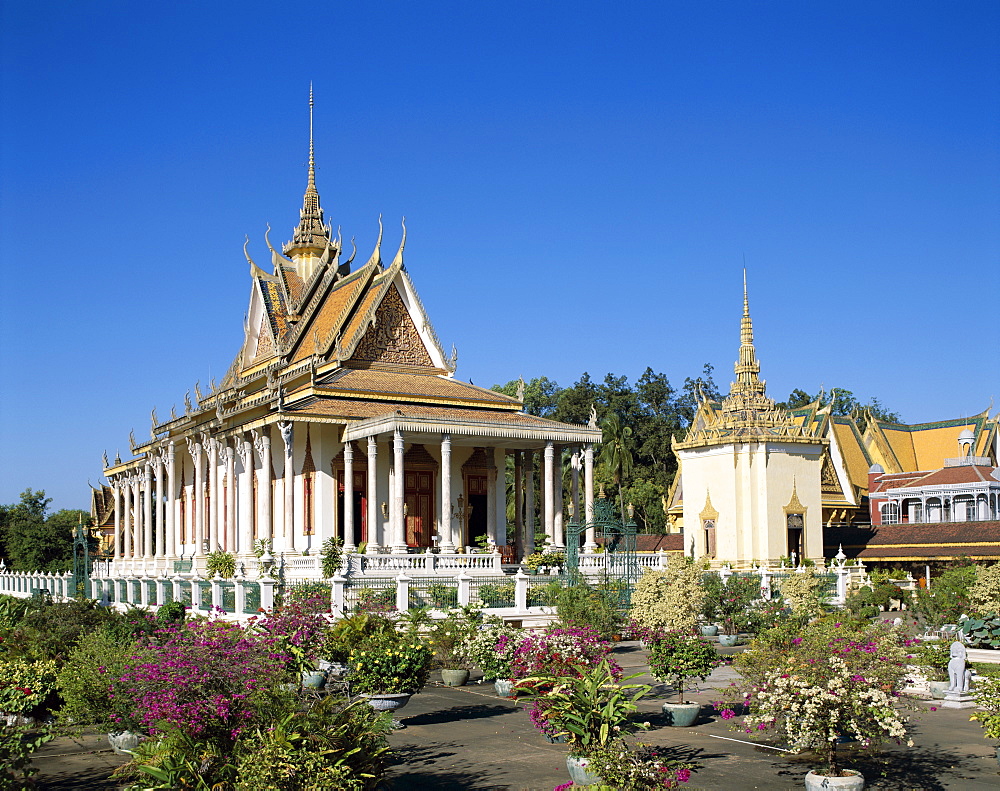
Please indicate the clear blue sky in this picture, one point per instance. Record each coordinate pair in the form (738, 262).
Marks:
(581, 183)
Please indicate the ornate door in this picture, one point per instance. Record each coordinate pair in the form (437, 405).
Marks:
(419, 501)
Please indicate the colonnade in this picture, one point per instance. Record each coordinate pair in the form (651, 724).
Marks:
(223, 493)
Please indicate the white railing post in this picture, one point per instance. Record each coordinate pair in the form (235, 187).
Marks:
(843, 577)
(266, 593)
(143, 590)
(464, 588)
(161, 590)
(196, 604)
(402, 592)
(239, 595)
(765, 583)
(217, 592)
(337, 597)
(521, 591)
(725, 573)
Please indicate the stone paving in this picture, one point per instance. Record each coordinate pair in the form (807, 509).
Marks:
(468, 738)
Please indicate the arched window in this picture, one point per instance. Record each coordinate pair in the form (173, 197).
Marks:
(890, 513)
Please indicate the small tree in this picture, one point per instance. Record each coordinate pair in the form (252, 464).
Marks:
(669, 600)
(984, 592)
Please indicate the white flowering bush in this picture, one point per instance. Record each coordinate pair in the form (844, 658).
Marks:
(491, 648)
(827, 681)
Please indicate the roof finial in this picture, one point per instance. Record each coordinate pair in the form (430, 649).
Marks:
(312, 158)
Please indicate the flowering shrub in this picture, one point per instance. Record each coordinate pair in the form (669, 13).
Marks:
(670, 599)
(739, 597)
(25, 685)
(637, 768)
(447, 636)
(829, 680)
(987, 694)
(675, 656)
(389, 663)
(491, 648)
(86, 676)
(297, 628)
(207, 678)
(559, 652)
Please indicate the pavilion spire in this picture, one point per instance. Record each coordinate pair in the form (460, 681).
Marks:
(747, 367)
(311, 234)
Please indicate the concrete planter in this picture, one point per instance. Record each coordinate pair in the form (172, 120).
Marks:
(682, 715)
(728, 640)
(388, 701)
(454, 678)
(577, 768)
(709, 630)
(124, 742)
(853, 782)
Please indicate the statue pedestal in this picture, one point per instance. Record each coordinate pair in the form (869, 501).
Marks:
(958, 700)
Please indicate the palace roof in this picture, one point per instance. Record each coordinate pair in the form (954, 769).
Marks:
(924, 541)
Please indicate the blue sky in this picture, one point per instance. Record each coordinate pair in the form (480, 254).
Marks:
(581, 183)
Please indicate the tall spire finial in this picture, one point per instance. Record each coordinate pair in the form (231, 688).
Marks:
(312, 154)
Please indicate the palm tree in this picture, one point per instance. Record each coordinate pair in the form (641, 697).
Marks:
(616, 454)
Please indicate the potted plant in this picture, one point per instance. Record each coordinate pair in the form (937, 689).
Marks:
(987, 693)
(491, 648)
(711, 582)
(222, 563)
(591, 710)
(738, 597)
(931, 658)
(389, 668)
(447, 638)
(815, 684)
(675, 657)
(24, 687)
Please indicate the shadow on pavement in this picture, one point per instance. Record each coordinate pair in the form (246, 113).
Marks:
(474, 712)
(423, 772)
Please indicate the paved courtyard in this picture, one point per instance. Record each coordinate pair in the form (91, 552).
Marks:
(468, 738)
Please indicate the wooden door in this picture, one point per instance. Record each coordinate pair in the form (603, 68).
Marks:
(418, 493)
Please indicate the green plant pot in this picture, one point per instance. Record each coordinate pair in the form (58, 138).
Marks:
(709, 630)
(938, 689)
(681, 715)
(124, 742)
(454, 678)
(728, 640)
(313, 679)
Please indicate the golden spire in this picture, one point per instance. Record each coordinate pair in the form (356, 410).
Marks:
(312, 236)
(747, 368)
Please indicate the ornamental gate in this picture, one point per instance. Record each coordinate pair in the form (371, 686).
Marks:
(81, 563)
(621, 565)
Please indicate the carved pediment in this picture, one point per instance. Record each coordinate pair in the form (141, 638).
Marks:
(393, 337)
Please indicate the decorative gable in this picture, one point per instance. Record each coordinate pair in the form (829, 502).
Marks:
(393, 338)
(265, 344)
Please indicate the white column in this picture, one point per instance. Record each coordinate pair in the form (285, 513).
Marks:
(374, 537)
(147, 511)
(116, 486)
(245, 543)
(288, 518)
(491, 499)
(229, 457)
(134, 548)
(198, 504)
(398, 520)
(172, 548)
(349, 544)
(213, 494)
(588, 496)
(557, 502)
(161, 540)
(529, 502)
(262, 444)
(519, 502)
(446, 532)
(574, 466)
(550, 489)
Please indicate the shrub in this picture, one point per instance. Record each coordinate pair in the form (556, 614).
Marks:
(171, 612)
(442, 596)
(85, 679)
(389, 663)
(987, 694)
(677, 656)
(208, 679)
(932, 656)
(982, 632)
(447, 636)
(26, 685)
(948, 597)
(803, 595)
(491, 648)
(50, 630)
(671, 599)
(348, 633)
(817, 683)
(558, 651)
(984, 592)
(17, 744)
(711, 584)
(638, 768)
(581, 605)
(491, 594)
(740, 597)
(331, 555)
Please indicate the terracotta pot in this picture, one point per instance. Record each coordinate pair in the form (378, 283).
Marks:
(854, 781)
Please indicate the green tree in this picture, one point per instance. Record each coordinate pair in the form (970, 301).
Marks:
(541, 394)
(32, 540)
(616, 453)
